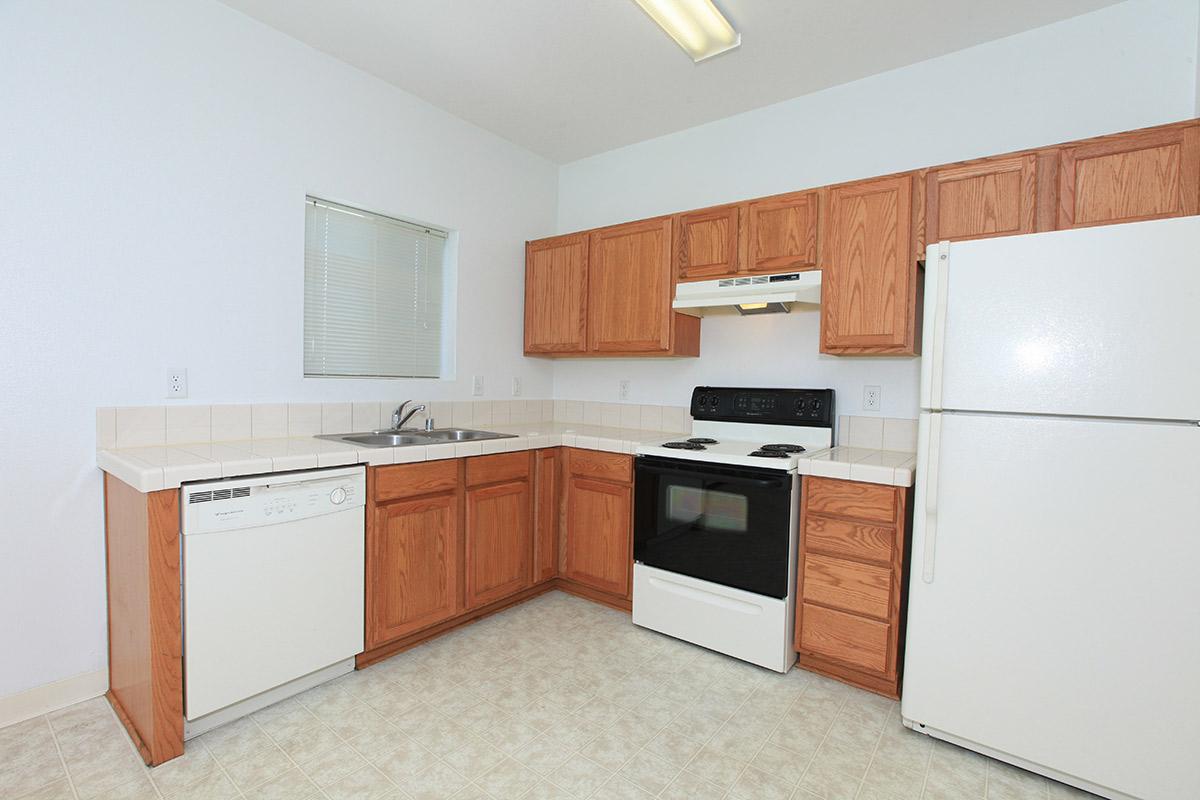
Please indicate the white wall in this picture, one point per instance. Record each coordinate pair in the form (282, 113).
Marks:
(1126, 66)
(155, 158)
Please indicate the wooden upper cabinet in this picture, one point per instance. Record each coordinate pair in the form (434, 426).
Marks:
(991, 197)
(781, 233)
(630, 288)
(499, 541)
(1128, 177)
(412, 566)
(556, 279)
(868, 287)
(707, 243)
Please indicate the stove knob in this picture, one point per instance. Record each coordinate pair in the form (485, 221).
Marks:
(816, 405)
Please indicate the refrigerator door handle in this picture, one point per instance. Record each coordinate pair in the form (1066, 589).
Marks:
(936, 298)
(929, 547)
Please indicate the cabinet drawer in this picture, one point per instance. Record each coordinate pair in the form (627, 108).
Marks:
(861, 588)
(852, 640)
(842, 537)
(496, 468)
(605, 466)
(414, 480)
(839, 498)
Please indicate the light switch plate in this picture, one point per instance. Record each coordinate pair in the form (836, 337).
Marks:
(477, 386)
(516, 387)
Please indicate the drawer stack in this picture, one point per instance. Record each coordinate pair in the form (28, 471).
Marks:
(849, 618)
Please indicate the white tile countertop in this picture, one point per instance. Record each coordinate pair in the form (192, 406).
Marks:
(152, 468)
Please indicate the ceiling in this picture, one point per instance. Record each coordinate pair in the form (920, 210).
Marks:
(570, 78)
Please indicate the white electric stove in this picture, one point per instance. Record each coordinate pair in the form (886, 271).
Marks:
(716, 516)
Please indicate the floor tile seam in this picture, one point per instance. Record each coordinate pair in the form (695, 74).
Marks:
(62, 760)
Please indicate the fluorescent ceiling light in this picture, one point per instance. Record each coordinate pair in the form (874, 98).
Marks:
(695, 25)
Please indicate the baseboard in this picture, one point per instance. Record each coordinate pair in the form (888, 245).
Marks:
(595, 595)
(52, 696)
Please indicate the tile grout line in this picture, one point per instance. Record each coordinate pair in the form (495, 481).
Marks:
(61, 758)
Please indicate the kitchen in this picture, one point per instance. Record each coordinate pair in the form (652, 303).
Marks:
(215, 165)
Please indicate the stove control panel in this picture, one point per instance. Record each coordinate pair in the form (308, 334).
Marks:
(809, 407)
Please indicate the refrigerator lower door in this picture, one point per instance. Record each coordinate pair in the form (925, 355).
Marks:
(1053, 610)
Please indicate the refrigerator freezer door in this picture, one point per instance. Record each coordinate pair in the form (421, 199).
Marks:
(1055, 621)
(1093, 322)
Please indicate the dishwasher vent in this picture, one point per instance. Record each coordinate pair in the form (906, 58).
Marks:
(218, 494)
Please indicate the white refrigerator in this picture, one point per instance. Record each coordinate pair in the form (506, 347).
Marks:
(1054, 594)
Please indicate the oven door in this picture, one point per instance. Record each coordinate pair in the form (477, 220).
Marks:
(724, 524)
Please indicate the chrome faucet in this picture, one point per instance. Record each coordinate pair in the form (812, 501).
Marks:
(399, 417)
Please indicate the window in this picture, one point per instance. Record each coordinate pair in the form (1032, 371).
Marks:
(373, 294)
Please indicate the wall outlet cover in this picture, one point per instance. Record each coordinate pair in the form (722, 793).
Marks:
(623, 390)
(176, 384)
(872, 398)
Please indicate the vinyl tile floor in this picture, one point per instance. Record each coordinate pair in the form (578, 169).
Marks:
(554, 698)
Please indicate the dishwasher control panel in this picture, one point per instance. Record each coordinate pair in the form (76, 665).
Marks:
(236, 503)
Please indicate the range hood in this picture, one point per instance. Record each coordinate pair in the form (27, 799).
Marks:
(751, 294)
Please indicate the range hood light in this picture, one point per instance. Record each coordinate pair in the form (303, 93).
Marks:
(695, 25)
(762, 308)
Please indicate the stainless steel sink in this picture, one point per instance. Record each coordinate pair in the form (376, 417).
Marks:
(461, 435)
(408, 438)
(381, 439)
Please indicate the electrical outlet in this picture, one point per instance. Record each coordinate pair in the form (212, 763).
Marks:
(477, 386)
(872, 398)
(176, 384)
(516, 387)
(623, 390)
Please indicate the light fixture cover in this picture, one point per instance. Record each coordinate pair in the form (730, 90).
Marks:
(695, 25)
(749, 309)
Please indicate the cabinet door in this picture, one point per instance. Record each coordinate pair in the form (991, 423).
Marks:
(868, 288)
(629, 288)
(412, 566)
(993, 197)
(547, 512)
(556, 295)
(706, 243)
(499, 541)
(1130, 177)
(599, 535)
(782, 233)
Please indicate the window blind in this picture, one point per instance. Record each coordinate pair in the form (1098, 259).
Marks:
(372, 294)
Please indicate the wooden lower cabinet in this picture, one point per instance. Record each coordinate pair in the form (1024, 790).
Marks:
(598, 536)
(547, 511)
(851, 582)
(412, 565)
(498, 534)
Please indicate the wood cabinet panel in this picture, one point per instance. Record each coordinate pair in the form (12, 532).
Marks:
(630, 288)
(497, 468)
(499, 544)
(547, 519)
(598, 542)
(866, 501)
(868, 299)
(397, 481)
(848, 585)
(707, 243)
(412, 565)
(1135, 176)
(556, 276)
(841, 537)
(782, 233)
(991, 197)
(600, 465)
(845, 638)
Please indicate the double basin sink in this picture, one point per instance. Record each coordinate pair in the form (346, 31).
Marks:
(403, 438)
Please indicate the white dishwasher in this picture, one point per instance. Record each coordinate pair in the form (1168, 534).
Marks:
(272, 588)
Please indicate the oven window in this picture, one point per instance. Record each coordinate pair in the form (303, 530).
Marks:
(715, 511)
